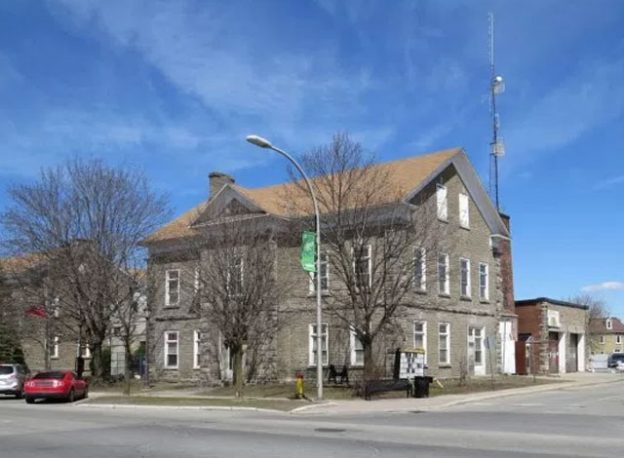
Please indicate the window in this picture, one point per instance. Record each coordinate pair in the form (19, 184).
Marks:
(196, 282)
(476, 335)
(172, 287)
(602, 339)
(420, 336)
(357, 349)
(235, 276)
(420, 269)
(54, 353)
(116, 331)
(484, 281)
(313, 349)
(363, 266)
(464, 278)
(196, 343)
(85, 351)
(442, 202)
(618, 340)
(171, 349)
(609, 324)
(464, 211)
(324, 276)
(444, 334)
(443, 274)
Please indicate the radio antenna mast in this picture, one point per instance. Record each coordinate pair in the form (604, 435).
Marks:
(497, 149)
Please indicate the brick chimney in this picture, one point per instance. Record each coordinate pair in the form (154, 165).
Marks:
(217, 180)
(507, 268)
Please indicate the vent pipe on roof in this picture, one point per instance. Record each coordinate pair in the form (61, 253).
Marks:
(217, 180)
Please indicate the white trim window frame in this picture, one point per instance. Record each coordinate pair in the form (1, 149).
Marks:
(196, 349)
(356, 350)
(197, 280)
(609, 324)
(85, 351)
(357, 260)
(420, 269)
(618, 340)
(324, 276)
(464, 210)
(444, 344)
(484, 281)
(442, 202)
(235, 269)
(465, 287)
(172, 349)
(172, 287)
(312, 344)
(420, 336)
(602, 340)
(54, 354)
(444, 286)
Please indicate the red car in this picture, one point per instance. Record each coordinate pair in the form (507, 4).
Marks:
(55, 385)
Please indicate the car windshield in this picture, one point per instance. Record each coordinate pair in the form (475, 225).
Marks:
(57, 375)
(618, 357)
(4, 370)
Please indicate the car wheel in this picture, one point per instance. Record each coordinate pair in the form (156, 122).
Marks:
(72, 396)
(30, 400)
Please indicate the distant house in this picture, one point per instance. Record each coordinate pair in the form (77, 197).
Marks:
(48, 339)
(607, 335)
(460, 310)
(551, 336)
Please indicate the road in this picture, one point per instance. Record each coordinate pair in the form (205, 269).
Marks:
(567, 422)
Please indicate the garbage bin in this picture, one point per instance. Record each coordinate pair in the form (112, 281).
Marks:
(421, 386)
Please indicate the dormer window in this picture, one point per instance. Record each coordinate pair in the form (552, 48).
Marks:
(609, 324)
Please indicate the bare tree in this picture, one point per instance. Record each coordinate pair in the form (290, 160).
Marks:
(236, 285)
(129, 319)
(378, 246)
(85, 219)
(598, 311)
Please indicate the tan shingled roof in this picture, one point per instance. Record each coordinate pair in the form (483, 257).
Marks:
(405, 174)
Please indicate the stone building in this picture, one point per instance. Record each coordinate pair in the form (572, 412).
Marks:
(48, 340)
(453, 312)
(551, 336)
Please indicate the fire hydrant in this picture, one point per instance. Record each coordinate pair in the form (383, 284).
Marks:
(299, 393)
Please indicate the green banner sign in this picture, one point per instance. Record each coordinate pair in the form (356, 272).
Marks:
(308, 251)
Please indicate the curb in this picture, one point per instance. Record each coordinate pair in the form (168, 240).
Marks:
(520, 391)
(147, 406)
(312, 406)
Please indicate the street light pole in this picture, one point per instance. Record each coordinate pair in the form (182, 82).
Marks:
(263, 143)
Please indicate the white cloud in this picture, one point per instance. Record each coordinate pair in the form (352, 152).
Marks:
(231, 74)
(604, 286)
(608, 182)
(592, 96)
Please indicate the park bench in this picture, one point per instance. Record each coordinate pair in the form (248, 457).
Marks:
(334, 375)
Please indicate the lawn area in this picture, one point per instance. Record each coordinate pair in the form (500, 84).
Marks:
(274, 404)
(450, 386)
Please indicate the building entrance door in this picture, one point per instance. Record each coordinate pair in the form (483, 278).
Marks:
(572, 353)
(553, 352)
(476, 357)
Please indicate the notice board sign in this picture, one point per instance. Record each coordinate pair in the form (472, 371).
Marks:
(409, 363)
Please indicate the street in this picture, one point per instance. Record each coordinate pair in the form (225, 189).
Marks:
(572, 421)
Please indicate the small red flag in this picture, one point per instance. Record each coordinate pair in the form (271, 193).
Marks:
(37, 311)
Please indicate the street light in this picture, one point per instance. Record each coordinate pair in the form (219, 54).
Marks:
(264, 143)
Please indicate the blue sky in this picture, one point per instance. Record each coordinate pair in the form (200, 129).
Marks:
(173, 87)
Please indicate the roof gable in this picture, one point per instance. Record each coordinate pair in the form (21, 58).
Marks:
(408, 177)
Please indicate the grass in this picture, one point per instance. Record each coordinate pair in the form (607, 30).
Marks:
(450, 386)
(274, 404)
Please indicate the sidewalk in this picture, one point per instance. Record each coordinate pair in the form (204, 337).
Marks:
(188, 396)
(568, 381)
